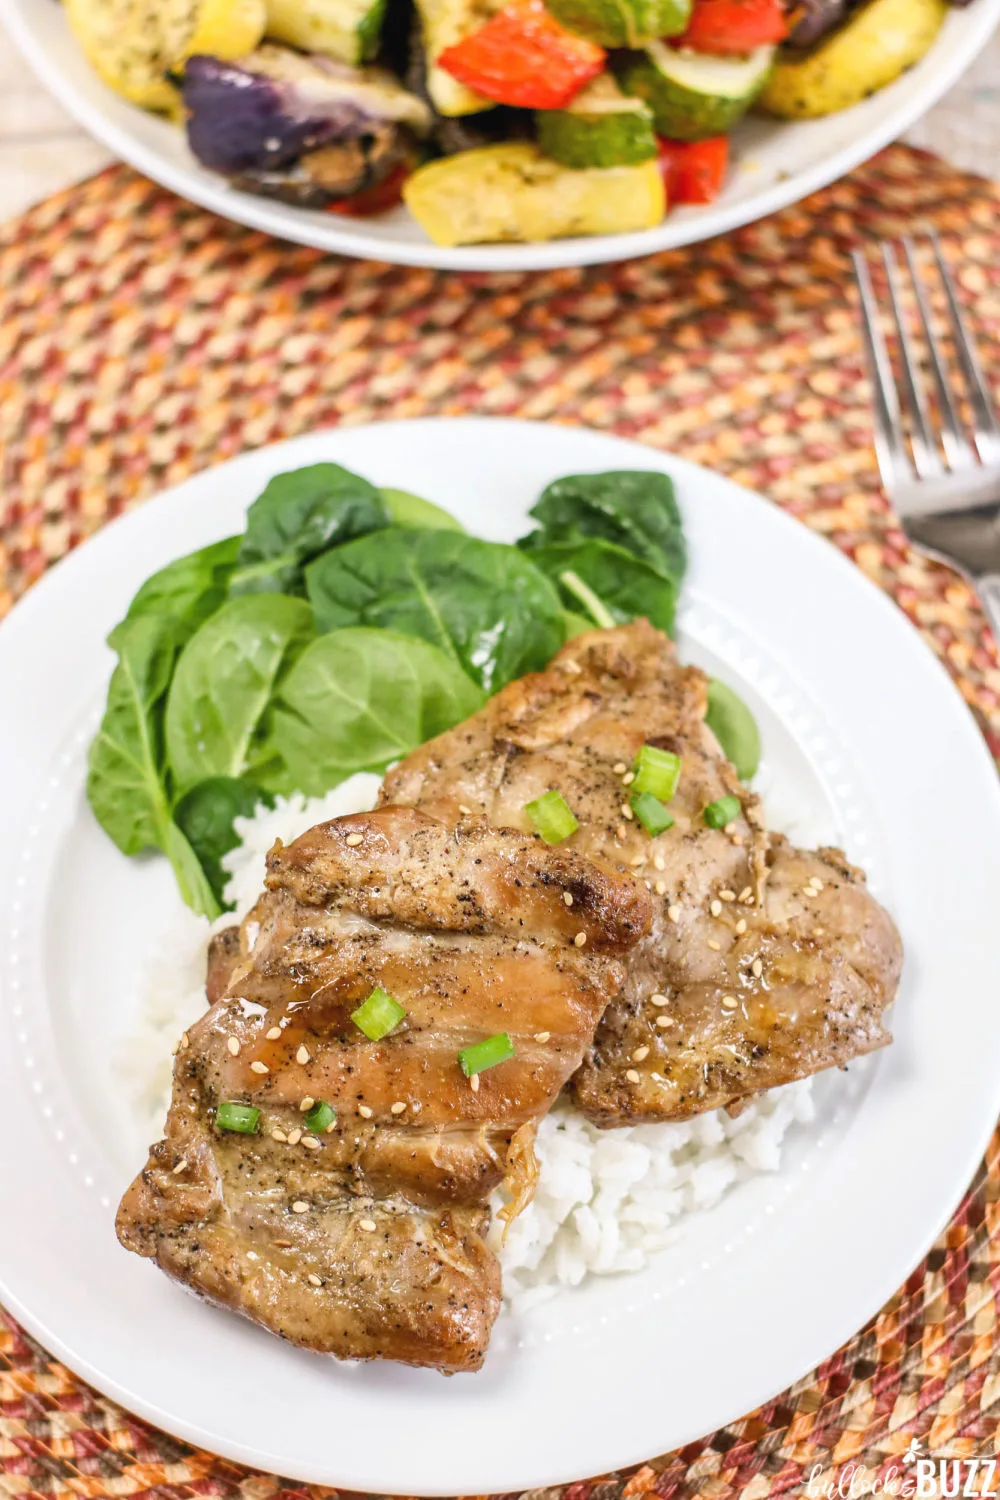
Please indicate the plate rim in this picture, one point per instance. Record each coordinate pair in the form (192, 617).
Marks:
(686, 472)
(673, 233)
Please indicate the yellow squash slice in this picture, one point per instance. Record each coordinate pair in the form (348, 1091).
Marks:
(132, 44)
(879, 42)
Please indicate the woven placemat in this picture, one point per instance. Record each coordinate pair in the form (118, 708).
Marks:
(142, 339)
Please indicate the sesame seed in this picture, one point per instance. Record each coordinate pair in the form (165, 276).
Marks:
(354, 839)
(298, 1207)
(274, 1034)
(620, 831)
(568, 898)
(542, 1036)
(715, 947)
(756, 968)
(465, 811)
(278, 1135)
(741, 926)
(474, 1083)
(648, 884)
(736, 839)
(311, 1143)
(252, 1255)
(640, 1054)
(626, 812)
(716, 908)
(619, 768)
(632, 1075)
(728, 895)
(365, 1112)
(314, 1279)
(749, 900)
(573, 666)
(664, 1021)
(180, 1166)
(729, 828)
(580, 939)
(294, 1136)
(185, 1041)
(306, 1103)
(729, 1002)
(258, 1067)
(628, 778)
(637, 860)
(233, 1045)
(818, 931)
(302, 1057)
(658, 999)
(817, 884)
(659, 862)
(283, 1244)
(661, 887)
(674, 913)
(397, 1108)
(368, 1225)
(745, 893)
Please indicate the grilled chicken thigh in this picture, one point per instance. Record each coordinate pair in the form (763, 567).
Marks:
(365, 1238)
(763, 963)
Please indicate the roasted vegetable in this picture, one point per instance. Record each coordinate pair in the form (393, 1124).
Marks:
(525, 58)
(133, 46)
(880, 41)
(442, 24)
(345, 29)
(727, 27)
(513, 192)
(812, 19)
(692, 96)
(622, 23)
(600, 128)
(276, 107)
(694, 171)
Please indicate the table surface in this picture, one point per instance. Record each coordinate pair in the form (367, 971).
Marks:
(42, 150)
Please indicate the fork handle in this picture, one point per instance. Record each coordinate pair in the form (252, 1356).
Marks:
(988, 587)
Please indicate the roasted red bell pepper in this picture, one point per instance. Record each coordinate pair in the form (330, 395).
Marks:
(722, 26)
(693, 171)
(524, 57)
(378, 199)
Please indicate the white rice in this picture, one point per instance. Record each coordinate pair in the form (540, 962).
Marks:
(606, 1201)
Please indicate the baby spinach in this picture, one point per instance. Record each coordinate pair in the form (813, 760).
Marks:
(189, 589)
(205, 816)
(410, 510)
(734, 727)
(224, 681)
(484, 604)
(358, 699)
(633, 508)
(575, 624)
(625, 585)
(125, 774)
(297, 516)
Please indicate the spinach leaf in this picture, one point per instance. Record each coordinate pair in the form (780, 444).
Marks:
(484, 604)
(625, 585)
(299, 515)
(224, 681)
(575, 624)
(189, 589)
(734, 727)
(356, 700)
(410, 510)
(205, 817)
(633, 508)
(125, 780)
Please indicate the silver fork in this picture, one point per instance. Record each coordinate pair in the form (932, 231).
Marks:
(945, 489)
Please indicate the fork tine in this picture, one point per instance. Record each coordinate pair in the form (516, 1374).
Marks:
(922, 440)
(956, 447)
(890, 442)
(987, 427)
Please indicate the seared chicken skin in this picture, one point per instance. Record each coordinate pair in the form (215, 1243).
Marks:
(366, 1239)
(763, 964)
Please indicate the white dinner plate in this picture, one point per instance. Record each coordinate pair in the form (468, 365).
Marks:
(864, 734)
(775, 163)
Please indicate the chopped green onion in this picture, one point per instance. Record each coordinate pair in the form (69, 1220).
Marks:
(656, 771)
(718, 814)
(320, 1116)
(651, 813)
(553, 817)
(483, 1055)
(239, 1117)
(379, 1015)
(584, 594)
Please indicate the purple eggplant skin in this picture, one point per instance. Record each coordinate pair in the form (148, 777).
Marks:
(239, 120)
(814, 19)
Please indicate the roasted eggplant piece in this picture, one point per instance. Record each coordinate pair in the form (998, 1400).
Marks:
(274, 109)
(812, 19)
